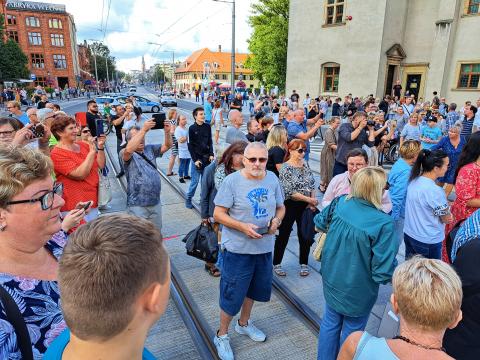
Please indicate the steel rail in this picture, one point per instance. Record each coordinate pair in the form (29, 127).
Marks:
(196, 324)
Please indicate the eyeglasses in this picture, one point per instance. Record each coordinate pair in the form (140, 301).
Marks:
(86, 131)
(6, 133)
(46, 200)
(254, 160)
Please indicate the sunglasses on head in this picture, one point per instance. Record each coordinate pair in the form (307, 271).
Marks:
(253, 160)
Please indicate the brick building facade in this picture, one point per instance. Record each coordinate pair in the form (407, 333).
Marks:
(47, 35)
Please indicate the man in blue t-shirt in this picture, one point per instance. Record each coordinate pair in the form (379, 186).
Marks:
(207, 108)
(297, 128)
(15, 111)
(431, 134)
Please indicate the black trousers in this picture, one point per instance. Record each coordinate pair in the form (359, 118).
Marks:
(120, 162)
(293, 213)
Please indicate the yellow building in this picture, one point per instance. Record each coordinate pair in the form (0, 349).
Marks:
(204, 67)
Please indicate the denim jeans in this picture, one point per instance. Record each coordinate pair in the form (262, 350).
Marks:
(250, 107)
(398, 226)
(339, 168)
(414, 247)
(183, 168)
(196, 175)
(334, 329)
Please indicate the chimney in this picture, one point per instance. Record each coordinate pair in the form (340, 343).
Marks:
(219, 48)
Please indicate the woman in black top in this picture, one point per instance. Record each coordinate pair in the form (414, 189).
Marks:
(312, 109)
(276, 145)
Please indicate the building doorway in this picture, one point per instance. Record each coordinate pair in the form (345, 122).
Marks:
(413, 84)
(391, 70)
(62, 81)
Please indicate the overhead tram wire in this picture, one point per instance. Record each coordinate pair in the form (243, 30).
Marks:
(106, 20)
(184, 32)
(101, 19)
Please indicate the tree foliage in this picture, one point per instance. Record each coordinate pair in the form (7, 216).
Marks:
(13, 62)
(102, 54)
(269, 41)
(157, 75)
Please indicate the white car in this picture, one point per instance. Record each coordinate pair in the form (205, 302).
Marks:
(133, 89)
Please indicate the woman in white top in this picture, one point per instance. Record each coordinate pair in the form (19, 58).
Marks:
(217, 119)
(426, 209)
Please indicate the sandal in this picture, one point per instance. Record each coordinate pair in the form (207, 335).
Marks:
(304, 270)
(212, 270)
(279, 271)
(171, 174)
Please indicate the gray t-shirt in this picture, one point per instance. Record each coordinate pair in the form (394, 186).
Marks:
(249, 201)
(143, 181)
(234, 134)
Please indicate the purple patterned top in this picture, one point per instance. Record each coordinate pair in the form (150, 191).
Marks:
(39, 303)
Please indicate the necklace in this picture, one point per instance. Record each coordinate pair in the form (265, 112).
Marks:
(411, 342)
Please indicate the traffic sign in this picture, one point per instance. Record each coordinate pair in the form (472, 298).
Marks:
(33, 76)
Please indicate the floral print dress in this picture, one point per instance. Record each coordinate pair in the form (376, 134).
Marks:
(39, 303)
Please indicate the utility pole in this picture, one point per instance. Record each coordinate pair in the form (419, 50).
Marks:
(95, 62)
(232, 71)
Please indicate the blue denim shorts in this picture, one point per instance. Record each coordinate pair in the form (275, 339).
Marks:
(244, 275)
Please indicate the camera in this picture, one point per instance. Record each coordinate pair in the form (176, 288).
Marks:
(38, 130)
(370, 122)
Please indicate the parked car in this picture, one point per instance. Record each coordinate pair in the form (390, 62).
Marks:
(102, 100)
(145, 104)
(168, 99)
(133, 89)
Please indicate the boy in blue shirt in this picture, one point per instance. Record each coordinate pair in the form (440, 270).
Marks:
(114, 286)
(431, 134)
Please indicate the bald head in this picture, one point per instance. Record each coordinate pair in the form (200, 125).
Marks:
(235, 117)
(298, 116)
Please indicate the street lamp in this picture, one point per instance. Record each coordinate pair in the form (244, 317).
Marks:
(165, 51)
(232, 70)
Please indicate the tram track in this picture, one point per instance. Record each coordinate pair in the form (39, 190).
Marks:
(196, 324)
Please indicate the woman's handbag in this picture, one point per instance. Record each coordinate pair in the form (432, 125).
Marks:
(307, 227)
(317, 252)
(202, 243)
(104, 188)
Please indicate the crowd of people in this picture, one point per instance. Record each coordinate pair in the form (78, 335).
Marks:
(253, 189)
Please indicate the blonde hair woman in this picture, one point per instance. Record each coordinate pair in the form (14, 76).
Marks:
(361, 235)
(172, 117)
(427, 295)
(277, 148)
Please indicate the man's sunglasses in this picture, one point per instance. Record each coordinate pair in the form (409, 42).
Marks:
(253, 160)
(46, 200)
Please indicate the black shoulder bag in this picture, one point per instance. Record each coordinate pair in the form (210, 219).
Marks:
(15, 318)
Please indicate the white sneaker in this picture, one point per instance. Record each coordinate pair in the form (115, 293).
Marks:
(251, 330)
(224, 351)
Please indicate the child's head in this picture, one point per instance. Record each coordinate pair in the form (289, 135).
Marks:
(114, 272)
(182, 120)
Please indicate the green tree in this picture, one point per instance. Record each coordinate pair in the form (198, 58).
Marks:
(102, 54)
(269, 41)
(13, 62)
(158, 75)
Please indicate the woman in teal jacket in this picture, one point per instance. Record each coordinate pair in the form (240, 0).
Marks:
(358, 255)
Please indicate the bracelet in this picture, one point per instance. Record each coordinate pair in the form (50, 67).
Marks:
(100, 149)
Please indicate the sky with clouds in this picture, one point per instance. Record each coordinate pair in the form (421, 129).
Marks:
(179, 25)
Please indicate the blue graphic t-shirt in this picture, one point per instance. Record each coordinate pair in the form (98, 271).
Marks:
(430, 133)
(249, 201)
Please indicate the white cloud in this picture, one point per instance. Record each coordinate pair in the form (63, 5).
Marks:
(132, 24)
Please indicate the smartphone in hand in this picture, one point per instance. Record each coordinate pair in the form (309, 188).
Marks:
(99, 125)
